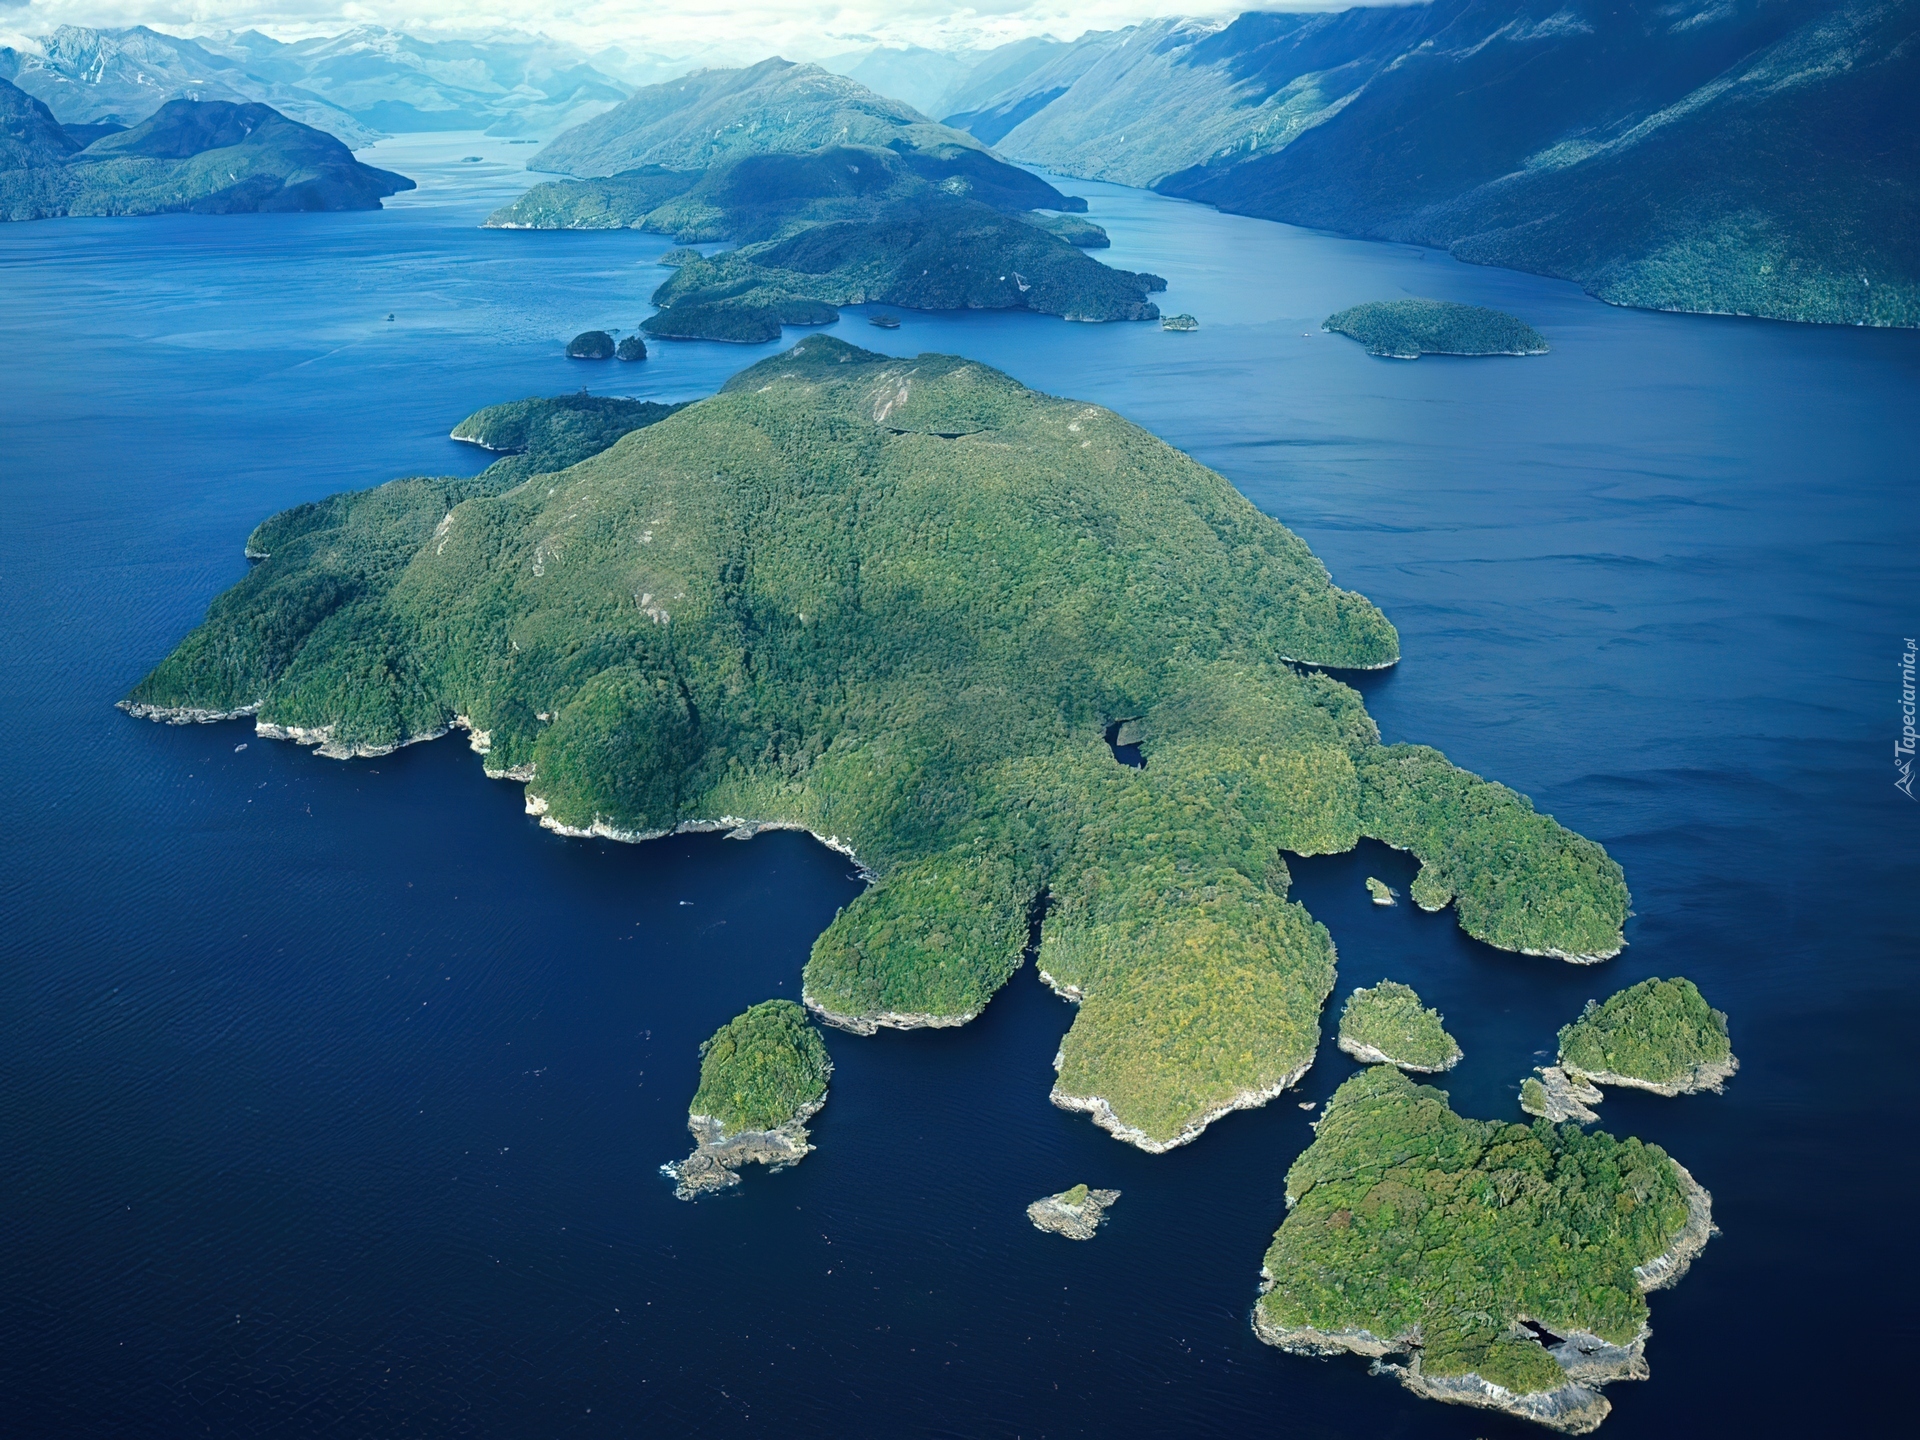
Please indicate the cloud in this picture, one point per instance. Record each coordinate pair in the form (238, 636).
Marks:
(736, 29)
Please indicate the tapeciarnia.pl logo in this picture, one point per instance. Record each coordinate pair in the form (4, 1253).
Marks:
(1903, 747)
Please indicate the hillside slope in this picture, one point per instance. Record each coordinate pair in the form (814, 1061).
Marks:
(1753, 156)
(209, 157)
(688, 124)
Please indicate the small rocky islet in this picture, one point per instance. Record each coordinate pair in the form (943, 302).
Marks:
(1387, 1025)
(1075, 1213)
(1658, 1035)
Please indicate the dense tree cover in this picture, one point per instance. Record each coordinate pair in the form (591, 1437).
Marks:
(1661, 1032)
(1542, 880)
(744, 312)
(1408, 329)
(1418, 1226)
(1390, 1019)
(617, 202)
(632, 348)
(761, 1069)
(210, 157)
(1073, 229)
(754, 196)
(711, 115)
(934, 252)
(591, 345)
(901, 602)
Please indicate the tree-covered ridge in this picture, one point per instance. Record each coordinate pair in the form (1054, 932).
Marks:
(539, 435)
(762, 1069)
(1409, 1226)
(1408, 329)
(934, 252)
(900, 603)
(208, 157)
(1657, 1035)
(1388, 1024)
(689, 123)
(755, 196)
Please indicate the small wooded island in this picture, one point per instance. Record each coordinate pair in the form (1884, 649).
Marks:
(1509, 1263)
(900, 603)
(763, 1075)
(1388, 1025)
(1408, 329)
(1659, 1035)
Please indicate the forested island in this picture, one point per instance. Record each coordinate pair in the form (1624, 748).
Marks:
(1408, 329)
(900, 603)
(1509, 1263)
(1659, 1035)
(1387, 1025)
(918, 216)
(763, 1075)
(207, 157)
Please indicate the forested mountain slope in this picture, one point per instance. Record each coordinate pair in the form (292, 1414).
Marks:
(1752, 156)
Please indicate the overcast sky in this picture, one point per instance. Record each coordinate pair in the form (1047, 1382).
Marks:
(801, 28)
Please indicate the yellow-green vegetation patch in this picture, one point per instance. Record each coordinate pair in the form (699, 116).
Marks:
(901, 603)
(1411, 1227)
(762, 1069)
(1658, 1035)
(1388, 1025)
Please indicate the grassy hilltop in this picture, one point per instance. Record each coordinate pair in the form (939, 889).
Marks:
(900, 602)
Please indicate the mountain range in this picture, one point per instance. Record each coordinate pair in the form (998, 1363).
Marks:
(1757, 157)
(355, 86)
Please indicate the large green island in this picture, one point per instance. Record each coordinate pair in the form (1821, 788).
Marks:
(1510, 1264)
(901, 603)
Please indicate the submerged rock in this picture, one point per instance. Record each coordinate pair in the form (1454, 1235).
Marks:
(1074, 1213)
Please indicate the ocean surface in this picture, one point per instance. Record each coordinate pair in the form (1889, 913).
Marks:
(333, 1096)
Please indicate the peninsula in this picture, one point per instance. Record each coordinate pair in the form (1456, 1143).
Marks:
(1387, 1025)
(1408, 329)
(1510, 1263)
(763, 1075)
(207, 157)
(900, 603)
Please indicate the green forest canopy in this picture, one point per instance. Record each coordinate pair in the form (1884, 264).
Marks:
(899, 602)
(1409, 1222)
(1390, 1018)
(1659, 1031)
(762, 1068)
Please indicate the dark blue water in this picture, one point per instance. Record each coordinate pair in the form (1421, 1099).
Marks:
(332, 1096)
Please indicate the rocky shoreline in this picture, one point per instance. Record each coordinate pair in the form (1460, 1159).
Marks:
(1101, 1109)
(1560, 1096)
(183, 714)
(1708, 1078)
(1373, 1055)
(717, 1156)
(889, 1020)
(1074, 1218)
(1575, 1408)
